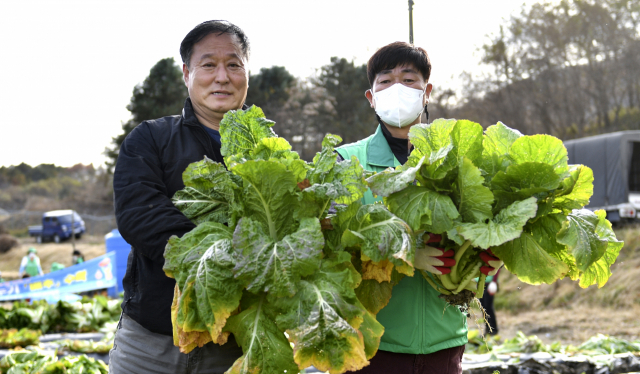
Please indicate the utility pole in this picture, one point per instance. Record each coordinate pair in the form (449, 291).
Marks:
(73, 231)
(410, 21)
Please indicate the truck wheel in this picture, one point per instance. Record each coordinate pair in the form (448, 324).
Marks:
(78, 236)
(39, 239)
(56, 238)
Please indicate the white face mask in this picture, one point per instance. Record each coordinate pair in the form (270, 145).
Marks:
(399, 105)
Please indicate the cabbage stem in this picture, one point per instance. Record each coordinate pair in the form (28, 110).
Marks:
(468, 277)
(435, 286)
(481, 281)
(328, 202)
(433, 278)
(454, 270)
(447, 283)
(471, 287)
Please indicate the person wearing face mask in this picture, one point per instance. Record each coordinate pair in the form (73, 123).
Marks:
(76, 257)
(30, 264)
(422, 333)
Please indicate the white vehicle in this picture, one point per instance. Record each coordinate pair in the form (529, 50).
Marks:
(615, 161)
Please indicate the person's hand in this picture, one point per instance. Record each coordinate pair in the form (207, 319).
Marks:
(493, 263)
(492, 288)
(432, 259)
(325, 224)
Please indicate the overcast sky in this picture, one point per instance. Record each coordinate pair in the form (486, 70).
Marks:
(68, 68)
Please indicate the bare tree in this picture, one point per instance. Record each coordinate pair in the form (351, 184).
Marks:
(567, 69)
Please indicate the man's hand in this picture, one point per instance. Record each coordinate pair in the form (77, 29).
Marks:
(432, 259)
(325, 224)
(493, 263)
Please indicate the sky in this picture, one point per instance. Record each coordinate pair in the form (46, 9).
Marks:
(68, 68)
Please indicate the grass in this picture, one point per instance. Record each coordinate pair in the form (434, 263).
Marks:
(20, 233)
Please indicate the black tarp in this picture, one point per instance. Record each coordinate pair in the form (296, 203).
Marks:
(609, 156)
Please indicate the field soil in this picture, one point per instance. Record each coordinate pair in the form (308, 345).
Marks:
(572, 325)
(568, 325)
(89, 246)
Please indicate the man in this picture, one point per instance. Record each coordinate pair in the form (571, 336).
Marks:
(422, 334)
(148, 173)
(30, 264)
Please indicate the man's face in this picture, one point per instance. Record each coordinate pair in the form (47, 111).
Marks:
(407, 75)
(217, 77)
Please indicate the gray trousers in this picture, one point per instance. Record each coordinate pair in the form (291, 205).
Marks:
(137, 350)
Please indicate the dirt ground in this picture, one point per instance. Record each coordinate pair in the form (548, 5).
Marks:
(89, 246)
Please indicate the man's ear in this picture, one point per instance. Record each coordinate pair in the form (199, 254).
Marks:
(427, 93)
(185, 74)
(369, 97)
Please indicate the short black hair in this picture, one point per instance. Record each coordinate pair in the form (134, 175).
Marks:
(212, 27)
(397, 54)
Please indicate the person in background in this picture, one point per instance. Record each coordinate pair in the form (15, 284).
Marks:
(490, 289)
(76, 257)
(422, 334)
(30, 264)
(148, 172)
(1, 280)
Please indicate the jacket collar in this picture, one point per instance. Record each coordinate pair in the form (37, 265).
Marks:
(378, 151)
(188, 115)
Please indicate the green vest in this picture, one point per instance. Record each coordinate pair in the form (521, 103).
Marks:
(32, 267)
(416, 321)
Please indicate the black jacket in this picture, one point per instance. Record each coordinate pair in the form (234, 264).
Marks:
(147, 174)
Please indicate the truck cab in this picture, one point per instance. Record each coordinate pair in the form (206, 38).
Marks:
(57, 226)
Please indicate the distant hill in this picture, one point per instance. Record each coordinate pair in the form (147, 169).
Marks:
(26, 192)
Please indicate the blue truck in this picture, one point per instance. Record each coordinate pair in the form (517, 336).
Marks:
(58, 225)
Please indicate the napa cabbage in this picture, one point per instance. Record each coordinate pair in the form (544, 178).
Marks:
(498, 189)
(266, 261)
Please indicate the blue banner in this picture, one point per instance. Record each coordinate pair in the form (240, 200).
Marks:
(95, 274)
